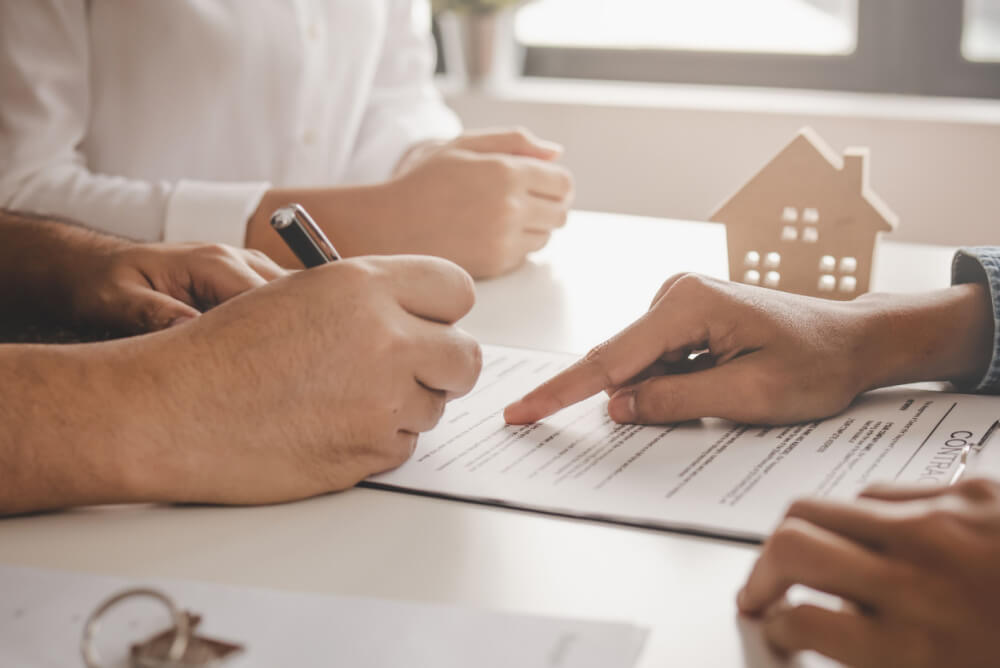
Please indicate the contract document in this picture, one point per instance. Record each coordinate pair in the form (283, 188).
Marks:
(709, 476)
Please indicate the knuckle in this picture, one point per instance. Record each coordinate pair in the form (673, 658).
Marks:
(502, 171)
(451, 158)
(259, 255)
(800, 507)
(520, 133)
(690, 284)
(461, 285)
(119, 273)
(566, 181)
(789, 540)
(476, 358)
(471, 356)
(386, 341)
(121, 259)
(596, 358)
(452, 279)
(674, 278)
(979, 489)
(397, 340)
(512, 209)
(357, 272)
(218, 251)
(466, 291)
(931, 522)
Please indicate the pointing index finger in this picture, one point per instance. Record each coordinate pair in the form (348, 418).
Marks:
(608, 365)
(582, 380)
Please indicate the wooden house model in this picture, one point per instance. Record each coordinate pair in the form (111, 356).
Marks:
(807, 222)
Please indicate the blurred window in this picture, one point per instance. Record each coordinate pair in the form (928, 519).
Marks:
(920, 47)
(981, 32)
(770, 26)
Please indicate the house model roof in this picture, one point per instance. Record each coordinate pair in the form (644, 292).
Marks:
(808, 172)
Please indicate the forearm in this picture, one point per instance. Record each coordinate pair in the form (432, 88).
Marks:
(350, 216)
(945, 335)
(71, 426)
(41, 262)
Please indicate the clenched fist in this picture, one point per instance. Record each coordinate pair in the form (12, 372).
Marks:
(306, 385)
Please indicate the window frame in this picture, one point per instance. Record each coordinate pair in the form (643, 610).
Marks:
(909, 47)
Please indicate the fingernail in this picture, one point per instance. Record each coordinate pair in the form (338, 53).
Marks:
(551, 146)
(741, 599)
(621, 408)
(514, 412)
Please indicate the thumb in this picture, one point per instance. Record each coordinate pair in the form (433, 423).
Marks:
(141, 309)
(721, 392)
(517, 141)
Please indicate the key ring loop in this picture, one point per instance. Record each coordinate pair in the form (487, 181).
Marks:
(182, 634)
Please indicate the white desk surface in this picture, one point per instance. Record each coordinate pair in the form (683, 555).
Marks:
(596, 276)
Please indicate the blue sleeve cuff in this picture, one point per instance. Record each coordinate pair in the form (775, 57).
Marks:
(982, 265)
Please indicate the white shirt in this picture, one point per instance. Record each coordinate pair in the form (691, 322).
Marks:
(169, 119)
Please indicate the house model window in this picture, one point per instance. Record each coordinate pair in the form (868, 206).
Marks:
(807, 222)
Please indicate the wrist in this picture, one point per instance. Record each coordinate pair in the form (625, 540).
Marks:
(59, 464)
(353, 217)
(155, 441)
(73, 258)
(939, 336)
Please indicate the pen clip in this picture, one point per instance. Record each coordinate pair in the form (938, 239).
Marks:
(963, 462)
(314, 231)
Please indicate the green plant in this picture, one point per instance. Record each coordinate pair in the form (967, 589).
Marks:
(472, 6)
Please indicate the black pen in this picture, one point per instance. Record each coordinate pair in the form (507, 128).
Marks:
(303, 236)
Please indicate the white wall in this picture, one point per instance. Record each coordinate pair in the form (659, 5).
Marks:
(679, 151)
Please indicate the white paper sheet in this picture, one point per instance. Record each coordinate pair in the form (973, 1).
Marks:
(709, 476)
(42, 614)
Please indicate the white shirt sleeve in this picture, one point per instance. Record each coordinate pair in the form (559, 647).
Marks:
(405, 107)
(44, 117)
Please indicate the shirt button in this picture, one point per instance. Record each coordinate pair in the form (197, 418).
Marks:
(309, 137)
(312, 32)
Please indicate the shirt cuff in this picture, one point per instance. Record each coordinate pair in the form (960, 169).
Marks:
(982, 265)
(211, 212)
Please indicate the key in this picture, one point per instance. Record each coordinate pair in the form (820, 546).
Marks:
(176, 647)
(200, 652)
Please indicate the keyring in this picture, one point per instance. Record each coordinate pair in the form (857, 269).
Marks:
(182, 630)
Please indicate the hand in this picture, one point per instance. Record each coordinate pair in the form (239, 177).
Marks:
(917, 570)
(484, 200)
(140, 288)
(769, 357)
(306, 385)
